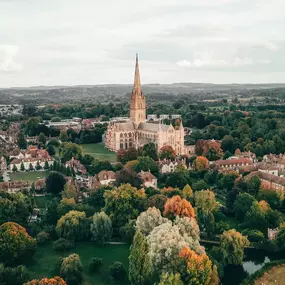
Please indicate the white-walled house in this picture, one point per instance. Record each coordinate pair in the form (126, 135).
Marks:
(27, 161)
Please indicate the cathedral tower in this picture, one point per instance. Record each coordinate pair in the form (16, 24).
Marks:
(137, 106)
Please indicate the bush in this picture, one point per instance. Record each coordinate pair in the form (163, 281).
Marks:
(42, 237)
(63, 244)
(253, 235)
(117, 271)
(95, 264)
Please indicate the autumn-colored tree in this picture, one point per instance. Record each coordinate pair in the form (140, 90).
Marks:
(232, 247)
(201, 163)
(170, 191)
(157, 201)
(132, 164)
(205, 201)
(167, 152)
(198, 267)
(170, 279)
(187, 192)
(15, 243)
(70, 191)
(73, 226)
(176, 206)
(47, 281)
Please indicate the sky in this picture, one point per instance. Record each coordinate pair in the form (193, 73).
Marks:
(78, 42)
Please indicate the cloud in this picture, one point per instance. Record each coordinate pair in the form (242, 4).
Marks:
(7, 54)
(74, 42)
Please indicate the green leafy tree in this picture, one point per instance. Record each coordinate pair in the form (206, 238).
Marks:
(51, 150)
(242, 205)
(140, 267)
(16, 243)
(273, 198)
(22, 167)
(73, 226)
(55, 182)
(253, 185)
(46, 167)
(14, 169)
(71, 269)
(38, 166)
(123, 203)
(42, 138)
(22, 143)
(31, 168)
(150, 150)
(117, 271)
(232, 247)
(101, 228)
(147, 164)
(69, 150)
(227, 181)
(205, 201)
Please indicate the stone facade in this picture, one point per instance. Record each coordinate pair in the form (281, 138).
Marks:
(136, 132)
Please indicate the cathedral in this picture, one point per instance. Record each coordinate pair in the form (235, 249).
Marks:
(137, 132)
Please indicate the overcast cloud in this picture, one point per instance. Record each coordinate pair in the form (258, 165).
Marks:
(70, 42)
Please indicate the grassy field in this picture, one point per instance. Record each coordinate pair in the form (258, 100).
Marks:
(46, 258)
(42, 201)
(98, 151)
(29, 176)
(275, 275)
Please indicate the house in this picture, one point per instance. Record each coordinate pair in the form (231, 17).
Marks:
(106, 177)
(269, 181)
(33, 161)
(167, 165)
(76, 165)
(233, 163)
(14, 186)
(272, 233)
(148, 179)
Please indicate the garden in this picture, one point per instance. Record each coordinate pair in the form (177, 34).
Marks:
(99, 151)
(28, 176)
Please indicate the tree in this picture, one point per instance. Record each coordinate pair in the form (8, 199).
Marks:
(167, 152)
(148, 220)
(73, 225)
(46, 281)
(38, 166)
(147, 164)
(123, 203)
(71, 269)
(273, 198)
(101, 228)
(95, 264)
(22, 143)
(55, 182)
(242, 205)
(46, 167)
(140, 267)
(205, 201)
(63, 136)
(70, 191)
(69, 150)
(201, 163)
(13, 275)
(22, 167)
(157, 201)
(227, 180)
(51, 150)
(125, 155)
(14, 169)
(150, 150)
(42, 138)
(66, 205)
(176, 206)
(253, 185)
(232, 247)
(127, 176)
(16, 243)
(31, 168)
(198, 267)
(164, 243)
(117, 271)
(187, 193)
(256, 217)
(170, 279)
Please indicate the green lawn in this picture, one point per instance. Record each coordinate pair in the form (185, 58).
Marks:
(30, 176)
(46, 258)
(99, 151)
(42, 201)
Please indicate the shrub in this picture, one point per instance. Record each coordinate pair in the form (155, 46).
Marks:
(95, 264)
(42, 237)
(117, 271)
(63, 244)
(253, 235)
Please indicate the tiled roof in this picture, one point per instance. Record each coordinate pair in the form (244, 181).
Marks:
(235, 161)
(150, 127)
(268, 177)
(106, 175)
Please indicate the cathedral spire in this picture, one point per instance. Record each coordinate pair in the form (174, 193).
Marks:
(137, 81)
(137, 104)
